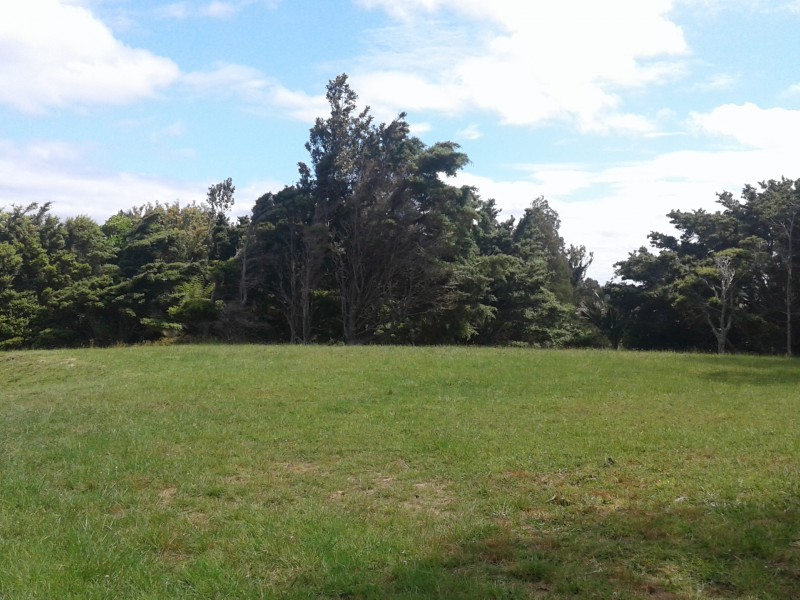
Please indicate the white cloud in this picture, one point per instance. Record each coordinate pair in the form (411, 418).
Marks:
(261, 93)
(792, 91)
(174, 130)
(47, 152)
(619, 123)
(298, 105)
(717, 83)
(763, 6)
(177, 10)
(220, 10)
(51, 171)
(529, 63)
(227, 78)
(611, 210)
(419, 128)
(752, 126)
(387, 90)
(247, 194)
(54, 54)
(216, 9)
(471, 132)
(401, 10)
(55, 172)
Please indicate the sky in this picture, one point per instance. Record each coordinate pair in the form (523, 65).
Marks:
(616, 112)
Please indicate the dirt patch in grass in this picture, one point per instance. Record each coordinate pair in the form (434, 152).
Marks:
(429, 497)
(166, 495)
(301, 468)
(197, 519)
(173, 551)
(238, 480)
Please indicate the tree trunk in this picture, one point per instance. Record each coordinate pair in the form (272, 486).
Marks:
(306, 300)
(789, 269)
(243, 277)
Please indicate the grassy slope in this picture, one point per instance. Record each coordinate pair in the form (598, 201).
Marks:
(397, 473)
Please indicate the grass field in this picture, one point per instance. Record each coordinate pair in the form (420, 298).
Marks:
(379, 472)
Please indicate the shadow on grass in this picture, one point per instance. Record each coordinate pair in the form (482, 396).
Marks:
(742, 370)
(773, 377)
(674, 552)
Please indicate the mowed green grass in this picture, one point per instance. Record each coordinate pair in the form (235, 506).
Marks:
(384, 472)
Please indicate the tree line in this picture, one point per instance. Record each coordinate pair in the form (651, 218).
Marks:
(371, 244)
(726, 281)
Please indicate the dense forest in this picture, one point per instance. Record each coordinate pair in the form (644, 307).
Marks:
(372, 245)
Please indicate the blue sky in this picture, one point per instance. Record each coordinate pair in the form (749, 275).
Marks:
(615, 111)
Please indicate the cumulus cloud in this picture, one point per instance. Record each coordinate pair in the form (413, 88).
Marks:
(793, 91)
(529, 63)
(47, 171)
(57, 172)
(385, 90)
(752, 126)
(420, 128)
(54, 54)
(612, 209)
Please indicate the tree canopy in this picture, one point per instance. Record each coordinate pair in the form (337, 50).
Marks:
(726, 280)
(373, 243)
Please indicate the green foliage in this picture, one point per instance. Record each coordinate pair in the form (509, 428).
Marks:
(372, 245)
(536, 237)
(19, 312)
(196, 309)
(87, 241)
(729, 273)
(374, 224)
(601, 311)
(116, 229)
